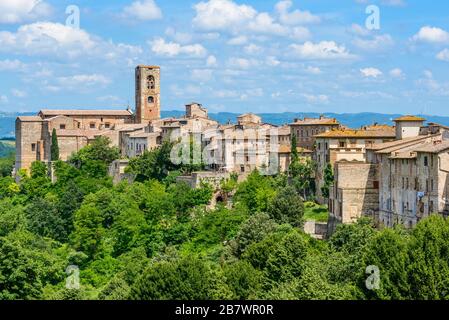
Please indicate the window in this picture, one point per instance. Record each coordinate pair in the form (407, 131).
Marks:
(151, 83)
(431, 207)
(150, 99)
(62, 126)
(242, 169)
(33, 147)
(432, 185)
(426, 161)
(342, 144)
(92, 125)
(107, 125)
(319, 146)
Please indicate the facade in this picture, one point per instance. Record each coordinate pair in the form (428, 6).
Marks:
(398, 182)
(306, 129)
(77, 128)
(148, 93)
(346, 145)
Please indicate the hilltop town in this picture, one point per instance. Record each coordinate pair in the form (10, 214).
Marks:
(393, 174)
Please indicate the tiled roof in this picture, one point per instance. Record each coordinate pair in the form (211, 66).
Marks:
(29, 118)
(316, 121)
(388, 132)
(398, 144)
(434, 147)
(50, 113)
(409, 118)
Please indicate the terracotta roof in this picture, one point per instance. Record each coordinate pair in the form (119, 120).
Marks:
(90, 134)
(434, 147)
(391, 146)
(316, 121)
(350, 133)
(50, 113)
(287, 149)
(30, 118)
(144, 134)
(409, 118)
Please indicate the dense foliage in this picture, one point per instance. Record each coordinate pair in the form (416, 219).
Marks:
(158, 239)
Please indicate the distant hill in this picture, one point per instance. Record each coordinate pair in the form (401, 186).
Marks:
(353, 120)
(6, 147)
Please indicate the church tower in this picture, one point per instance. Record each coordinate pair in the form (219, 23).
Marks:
(148, 93)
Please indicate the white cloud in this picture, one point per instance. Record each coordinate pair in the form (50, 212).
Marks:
(222, 14)
(201, 74)
(228, 16)
(295, 17)
(300, 33)
(313, 70)
(396, 73)
(237, 41)
(54, 39)
(242, 63)
(252, 49)
(371, 72)
(321, 50)
(4, 99)
(316, 99)
(17, 11)
(46, 37)
(181, 37)
(443, 55)
(211, 61)
(171, 49)
(359, 30)
(264, 23)
(143, 10)
(392, 3)
(377, 42)
(11, 65)
(272, 61)
(84, 80)
(431, 35)
(18, 93)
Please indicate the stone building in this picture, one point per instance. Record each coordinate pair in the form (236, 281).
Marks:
(408, 177)
(346, 145)
(77, 128)
(413, 175)
(306, 129)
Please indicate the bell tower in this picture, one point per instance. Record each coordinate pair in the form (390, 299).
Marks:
(148, 93)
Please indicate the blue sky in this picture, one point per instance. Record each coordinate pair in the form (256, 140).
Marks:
(236, 56)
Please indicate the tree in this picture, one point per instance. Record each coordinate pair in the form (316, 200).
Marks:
(154, 164)
(294, 149)
(388, 251)
(280, 255)
(54, 146)
(98, 151)
(287, 207)
(255, 229)
(255, 193)
(328, 180)
(428, 270)
(186, 279)
(244, 280)
(44, 219)
(7, 165)
(302, 173)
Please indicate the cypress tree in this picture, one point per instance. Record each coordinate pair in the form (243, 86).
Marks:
(54, 146)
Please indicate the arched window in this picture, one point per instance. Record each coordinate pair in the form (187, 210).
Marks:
(151, 83)
(150, 99)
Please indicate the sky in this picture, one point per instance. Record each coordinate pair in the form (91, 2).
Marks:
(388, 56)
